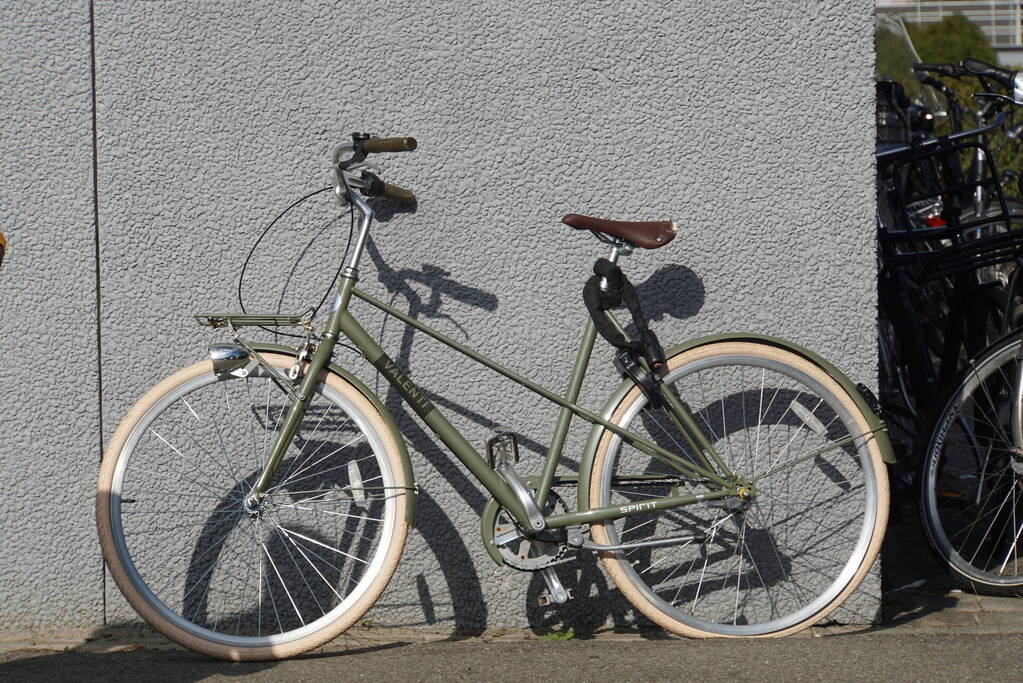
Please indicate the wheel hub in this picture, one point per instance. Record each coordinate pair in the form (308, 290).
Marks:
(1016, 460)
(254, 505)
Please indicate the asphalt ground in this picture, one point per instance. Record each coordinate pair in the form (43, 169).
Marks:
(929, 630)
(874, 656)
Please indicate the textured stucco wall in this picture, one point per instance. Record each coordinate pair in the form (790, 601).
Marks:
(49, 441)
(747, 122)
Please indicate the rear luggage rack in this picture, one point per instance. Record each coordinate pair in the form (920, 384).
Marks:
(216, 320)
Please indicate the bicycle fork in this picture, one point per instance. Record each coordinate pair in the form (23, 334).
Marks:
(296, 411)
(320, 358)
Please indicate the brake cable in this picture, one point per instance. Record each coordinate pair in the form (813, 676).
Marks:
(248, 258)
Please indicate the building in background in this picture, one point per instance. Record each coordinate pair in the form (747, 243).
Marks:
(1001, 20)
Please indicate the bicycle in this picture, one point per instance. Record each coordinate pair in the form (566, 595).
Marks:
(971, 472)
(254, 505)
(965, 371)
(949, 282)
(971, 465)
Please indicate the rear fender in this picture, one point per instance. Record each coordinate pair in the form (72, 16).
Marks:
(590, 449)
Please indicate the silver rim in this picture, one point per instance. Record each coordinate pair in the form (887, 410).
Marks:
(787, 556)
(209, 566)
(972, 496)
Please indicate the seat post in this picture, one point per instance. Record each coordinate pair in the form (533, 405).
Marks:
(617, 250)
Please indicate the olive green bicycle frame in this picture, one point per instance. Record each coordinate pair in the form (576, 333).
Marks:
(721, 483)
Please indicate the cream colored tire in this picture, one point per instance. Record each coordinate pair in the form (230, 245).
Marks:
(804, 543)
(172, 522)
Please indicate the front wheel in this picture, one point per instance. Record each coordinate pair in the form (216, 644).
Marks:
(234, 580)
(971, 477)
(784, 559)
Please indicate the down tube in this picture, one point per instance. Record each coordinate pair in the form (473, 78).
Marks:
(433, 418)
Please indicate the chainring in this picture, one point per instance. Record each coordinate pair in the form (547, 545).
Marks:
(530, 554)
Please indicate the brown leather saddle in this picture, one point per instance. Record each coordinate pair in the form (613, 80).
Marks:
(648, 235)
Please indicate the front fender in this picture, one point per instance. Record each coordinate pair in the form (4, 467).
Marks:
(406, 463)
(590, 449)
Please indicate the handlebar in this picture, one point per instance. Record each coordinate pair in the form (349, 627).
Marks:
(949, 70)
(898, 150)
(374, 145)
(375, 187)
(975, 67)
(934, 83)
(351, 172)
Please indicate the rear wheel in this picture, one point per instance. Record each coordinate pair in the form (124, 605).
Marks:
(780, 562)
(231, 580)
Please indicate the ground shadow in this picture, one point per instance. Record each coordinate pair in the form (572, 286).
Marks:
(131, 651)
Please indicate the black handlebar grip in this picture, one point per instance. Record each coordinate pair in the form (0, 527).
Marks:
(373, 145)
(976, 67)
(950, 70)
(397, 193)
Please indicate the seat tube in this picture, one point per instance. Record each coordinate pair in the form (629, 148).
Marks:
(575, 383)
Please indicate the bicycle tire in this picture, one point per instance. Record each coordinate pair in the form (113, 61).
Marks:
(975, 531)
(192, 439)
(781, 539)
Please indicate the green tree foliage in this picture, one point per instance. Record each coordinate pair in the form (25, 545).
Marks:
(950, 40)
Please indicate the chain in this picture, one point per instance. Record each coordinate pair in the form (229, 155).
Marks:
(648, 483)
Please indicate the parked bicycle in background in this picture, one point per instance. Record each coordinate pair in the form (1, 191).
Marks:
(950, 256)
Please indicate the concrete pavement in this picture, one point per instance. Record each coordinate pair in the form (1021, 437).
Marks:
(929, 629)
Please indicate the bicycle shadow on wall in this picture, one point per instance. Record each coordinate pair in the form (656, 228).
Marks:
(455, 561)
(685, 300)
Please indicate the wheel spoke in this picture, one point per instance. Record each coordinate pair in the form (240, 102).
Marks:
(273, 571)
(770, 563)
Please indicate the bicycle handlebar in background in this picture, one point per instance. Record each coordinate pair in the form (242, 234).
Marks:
(949, 70)
(896, 151)
(1005, 77)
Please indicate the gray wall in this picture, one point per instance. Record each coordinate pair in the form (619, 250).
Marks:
(747, 122)
(49, 412)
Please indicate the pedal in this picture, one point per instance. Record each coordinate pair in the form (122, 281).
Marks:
(502, 448)
(546, 600)
(557, 594)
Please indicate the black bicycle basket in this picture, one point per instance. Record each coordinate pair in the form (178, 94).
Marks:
(929, 216)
